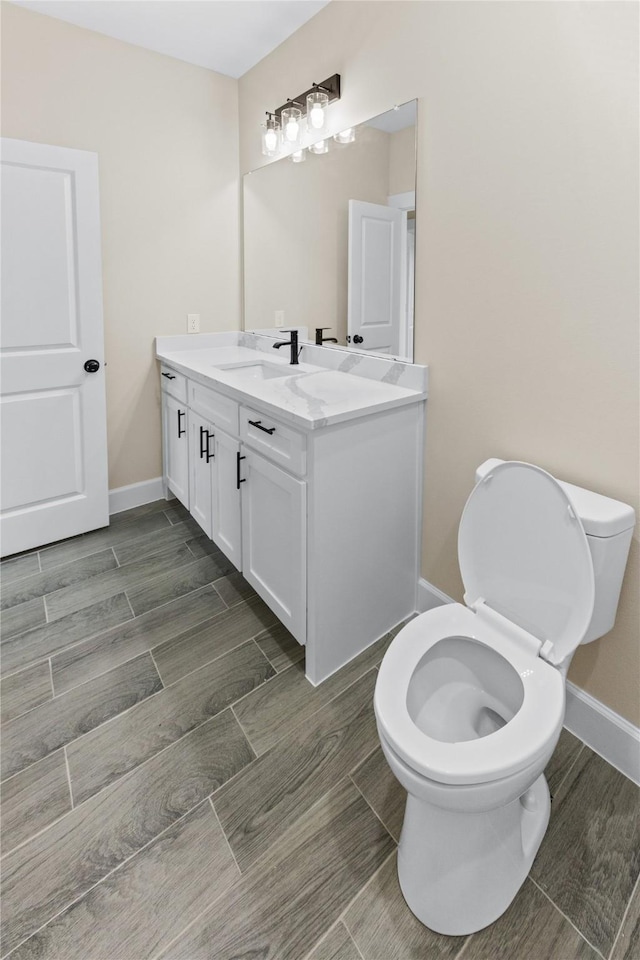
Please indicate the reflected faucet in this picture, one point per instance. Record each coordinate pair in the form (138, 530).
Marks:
(293, 343)
(320, 339)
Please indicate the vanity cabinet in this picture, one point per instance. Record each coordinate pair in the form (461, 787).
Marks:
(324, 523)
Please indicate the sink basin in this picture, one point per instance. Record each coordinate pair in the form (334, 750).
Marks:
(258, 370)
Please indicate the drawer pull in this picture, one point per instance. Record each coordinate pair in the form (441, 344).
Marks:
(209, 455)
(181, 430)
(169, 376)
(258, 424)
(238, 480)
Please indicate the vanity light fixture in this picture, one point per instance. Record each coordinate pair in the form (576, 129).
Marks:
(346, 136)
(284, 127)
(271, 135)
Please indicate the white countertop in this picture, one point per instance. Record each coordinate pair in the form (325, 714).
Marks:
(312, 396)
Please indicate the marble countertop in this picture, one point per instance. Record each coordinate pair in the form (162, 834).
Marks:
(312, 394)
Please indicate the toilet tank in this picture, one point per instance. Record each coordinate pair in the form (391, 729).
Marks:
(608, 525)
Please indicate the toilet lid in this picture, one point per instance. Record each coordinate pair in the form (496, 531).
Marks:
(523, 550)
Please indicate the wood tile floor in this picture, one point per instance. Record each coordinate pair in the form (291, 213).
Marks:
(174, 788)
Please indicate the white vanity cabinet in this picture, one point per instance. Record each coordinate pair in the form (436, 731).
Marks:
(323, 521)
(175, 434)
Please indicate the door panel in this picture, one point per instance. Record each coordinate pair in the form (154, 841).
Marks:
(201, 443)
(225, 518)
(54, 468)
(177, 448)
(376, 270)
(274, 540)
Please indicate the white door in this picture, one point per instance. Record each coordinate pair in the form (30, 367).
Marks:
(274, 526)
(201, 444)
(176, 447)
(376, 276)
(225, 519)
(52, 410)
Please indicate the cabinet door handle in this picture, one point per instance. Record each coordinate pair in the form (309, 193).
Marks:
(202, 447)
(238, 480)
(258, 424)
(169, 376)
(209, 455)
(181, 430)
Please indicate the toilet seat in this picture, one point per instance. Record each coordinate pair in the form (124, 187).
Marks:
(508, 750)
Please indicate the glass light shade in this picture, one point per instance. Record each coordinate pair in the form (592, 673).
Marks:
(299, 156)
(291, 126)
(346, 136)
(321, 146)
(317, 103)
(270, 137)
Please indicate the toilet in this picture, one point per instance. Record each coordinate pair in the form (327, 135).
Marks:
(470, 699)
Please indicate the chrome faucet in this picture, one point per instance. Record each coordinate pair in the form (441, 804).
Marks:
(293, 343)
(320, 339)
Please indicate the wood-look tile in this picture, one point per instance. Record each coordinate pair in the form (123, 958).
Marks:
(58, 722)
(291, 698)
(565, 754)
(381, 790)
(128, 640)
(382, 925)
(17, 567)
(274, 792)
(19, 619)
(594, 834)
(144, 510)
(33, 799)
(337, 945)
(49, 638)
(176, 513)
(627, 946)
(116, 532)
(46, 874)
(531, 929)
(234, 589)
(201, 546)
(117, 747)
(145, 903)
(65, 575)
(173, 583)
(210, 640)
(143, 547)
(128, 578)
(23, 691)
(280, 647)
(284, 904)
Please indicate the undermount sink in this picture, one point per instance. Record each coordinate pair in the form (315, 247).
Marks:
(258, 370)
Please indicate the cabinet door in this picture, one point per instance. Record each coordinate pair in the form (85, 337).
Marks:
(274, 525)
(225, 516)
(176, 446)
(201, 446)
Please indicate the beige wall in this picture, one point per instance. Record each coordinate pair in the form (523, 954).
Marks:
(527, 244)
(166, 135)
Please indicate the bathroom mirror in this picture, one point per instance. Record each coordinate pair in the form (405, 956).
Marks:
(330, 241)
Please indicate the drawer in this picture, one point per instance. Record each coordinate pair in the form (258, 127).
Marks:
(173, 383)
(274, 440)
(214, 406)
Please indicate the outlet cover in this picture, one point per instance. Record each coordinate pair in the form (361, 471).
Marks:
(279, 318)
(193, 323)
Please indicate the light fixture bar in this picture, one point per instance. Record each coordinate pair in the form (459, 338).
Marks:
(331, 87)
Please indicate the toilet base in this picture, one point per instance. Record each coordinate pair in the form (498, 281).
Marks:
(459, 872)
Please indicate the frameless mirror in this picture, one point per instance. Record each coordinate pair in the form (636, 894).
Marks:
(330, 242)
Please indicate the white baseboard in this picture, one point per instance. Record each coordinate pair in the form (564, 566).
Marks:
(606, 732)
(135, 494)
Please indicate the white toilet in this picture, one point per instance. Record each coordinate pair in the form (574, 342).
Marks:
(470, 699)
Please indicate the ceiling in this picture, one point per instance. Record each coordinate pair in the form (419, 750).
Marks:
(228, 36)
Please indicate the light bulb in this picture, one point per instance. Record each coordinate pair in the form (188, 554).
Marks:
(271, 140)
(346, 136)
(298, 156)
(320, 146)
(317, 117)
(291, 130)
(291, 127)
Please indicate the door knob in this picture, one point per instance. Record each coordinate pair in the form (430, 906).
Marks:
(358, 339)
(92, 366)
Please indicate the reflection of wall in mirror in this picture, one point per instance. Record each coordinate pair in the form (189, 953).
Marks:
(296, 227)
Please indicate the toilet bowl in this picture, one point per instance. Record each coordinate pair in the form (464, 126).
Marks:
(470, 699)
